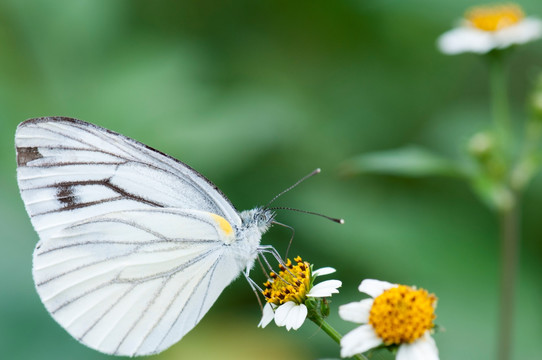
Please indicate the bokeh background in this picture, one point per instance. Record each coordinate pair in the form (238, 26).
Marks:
(256, 94)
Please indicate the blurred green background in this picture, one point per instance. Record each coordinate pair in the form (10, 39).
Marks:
(255, 94)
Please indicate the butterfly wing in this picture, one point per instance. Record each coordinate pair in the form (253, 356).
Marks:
(134, 282)
(69, 170)
(134, 245)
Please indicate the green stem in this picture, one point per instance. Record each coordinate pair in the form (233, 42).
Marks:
(328, 329)
(508, 214)
(510, 236)
(499, 102)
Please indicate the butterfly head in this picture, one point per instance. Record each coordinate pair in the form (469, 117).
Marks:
(261, 218)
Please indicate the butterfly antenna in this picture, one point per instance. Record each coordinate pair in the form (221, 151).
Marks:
(316, 171)
(337, 220)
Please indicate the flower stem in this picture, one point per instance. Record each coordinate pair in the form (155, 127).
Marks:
(509, 214)
(328, 329)
(510, 235)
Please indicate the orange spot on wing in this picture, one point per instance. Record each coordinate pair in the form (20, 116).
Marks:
(223, 224)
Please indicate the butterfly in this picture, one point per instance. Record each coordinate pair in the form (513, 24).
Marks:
(135, 246)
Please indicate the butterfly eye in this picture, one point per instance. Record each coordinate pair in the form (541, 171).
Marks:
(261, 218)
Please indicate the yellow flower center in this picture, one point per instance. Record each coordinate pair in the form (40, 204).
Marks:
(494, 17)
(402, 314)
(291, 284)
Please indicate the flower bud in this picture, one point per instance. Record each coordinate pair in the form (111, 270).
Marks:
(481, 145)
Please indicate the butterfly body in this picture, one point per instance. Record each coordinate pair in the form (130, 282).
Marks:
(135, 246)
(255, 223)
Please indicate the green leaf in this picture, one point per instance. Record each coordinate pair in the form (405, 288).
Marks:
(410, 161)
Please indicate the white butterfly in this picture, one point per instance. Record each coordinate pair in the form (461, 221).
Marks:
(135, 246)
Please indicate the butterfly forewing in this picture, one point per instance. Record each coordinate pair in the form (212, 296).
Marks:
(65, 165)
(133, 244)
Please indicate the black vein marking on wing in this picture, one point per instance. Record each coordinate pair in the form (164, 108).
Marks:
(99, 219)
(144, 228)
(136, 145)
(173, 271)
(80, 296)
(74, 205)
(121, 161)
(130, 289)
(157, 293)
(105, 260)
(68, 163)
(27, 154)
(198, 318)
(161, 238)
(65, 195)
(75, 149)
(187, 301)
(160, 158)
(129, 253)
(180, 241)
(167, 275)
(133, 144)
(155, 154)
(158, 320)
(70, 205)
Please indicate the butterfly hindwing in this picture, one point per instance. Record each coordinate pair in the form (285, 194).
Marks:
(134, 282)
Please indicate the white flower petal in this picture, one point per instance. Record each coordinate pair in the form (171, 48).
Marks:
(323, 271)
(296, 317)
(526, 30)
(357, 312)
(465, 39)
(281, 313)
(375, 288)
(290, 315)
(325, 288)
(422, 349)
(359, 340)
(267, 316)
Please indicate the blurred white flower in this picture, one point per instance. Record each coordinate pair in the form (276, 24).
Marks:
(287, 291)
(485, 28)
(396, 315)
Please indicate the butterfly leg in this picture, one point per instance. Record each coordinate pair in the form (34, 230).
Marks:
(271, 250)
(255, 288)
(263, 249)
(291, 238)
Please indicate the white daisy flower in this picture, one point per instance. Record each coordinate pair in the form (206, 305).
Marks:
(287, 291)
(395, 315)
(485, 28)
